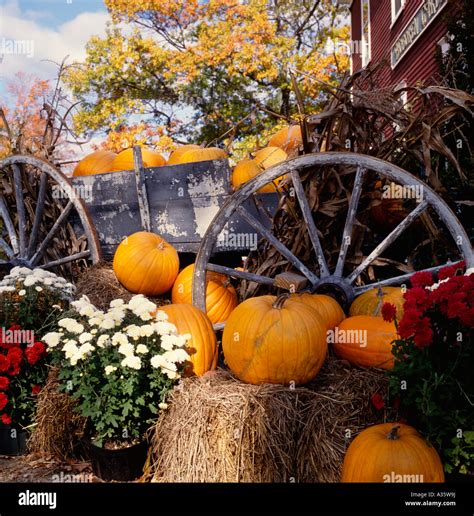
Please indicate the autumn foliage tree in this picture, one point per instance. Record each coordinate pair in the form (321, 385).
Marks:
(197, 68)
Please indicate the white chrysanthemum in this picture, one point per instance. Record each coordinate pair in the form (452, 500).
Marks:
(52, 339)
(38, 289)
(66, 322)
(145, 316)
(141, 349)
(6, 288)
(88, 311)
(96, 320)
(119, 339)
(94, 331)
(85, 337)
(86, 348)
(164, 328)
(117, 314)
(146, 330)
(136, 301)
(132, 361)
(162, 406)
(22, 292)
(76, 328)
(117, 303)
(29, 281)
(161, 316)
(158, 361)
(172, 375)
(48, 282)
(107, 324)
(70, 349)
(133, 330)
(110, 369)
(176, 356)
(102, 341)
(126, 349)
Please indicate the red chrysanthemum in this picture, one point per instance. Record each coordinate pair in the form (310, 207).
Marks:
(389, 312)
(446, 272)
(35, 389)
(4, 383)
(422, 279)
(3, 400)
(15, 355)
(377, 401)
(4, 363)
(34, 353)
(6, 419)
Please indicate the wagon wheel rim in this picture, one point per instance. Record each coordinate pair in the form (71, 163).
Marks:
(361, 164)
(27, 246)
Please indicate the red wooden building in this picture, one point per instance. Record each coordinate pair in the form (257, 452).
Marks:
(406, 34)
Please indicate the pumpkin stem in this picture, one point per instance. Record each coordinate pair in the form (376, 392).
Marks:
(280, 301)
(161, 246)
(380, 294)
(393, 435)
(226, 283)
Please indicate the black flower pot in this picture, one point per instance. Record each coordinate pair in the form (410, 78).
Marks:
(123, 465)
(12, 440)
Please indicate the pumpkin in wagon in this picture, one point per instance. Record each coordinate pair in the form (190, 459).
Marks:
(221, 297)
(202, 347)
(288, 138)
(150, 158)
(201, 154)
(246, 170)
(391, 452)
(99, 162)
(274, 340)
(145, 263)
(176, 155)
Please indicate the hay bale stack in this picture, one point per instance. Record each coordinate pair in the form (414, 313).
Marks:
(59, 430)
(101, 286)
(218, 429)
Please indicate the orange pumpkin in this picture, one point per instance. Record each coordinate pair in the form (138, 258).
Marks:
(366, 341)
(288, 138)
(246, 170)
(201, 154)
(326, 306)
(145, 263)
(221, 297)
(203, 344)
(274, 340)
(176, 155)
(270, 156)
(124, 160)
(391, 452)
(370, 302)
(99, 162)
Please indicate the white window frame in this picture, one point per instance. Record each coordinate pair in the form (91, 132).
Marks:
(366, 51)
(396, 15)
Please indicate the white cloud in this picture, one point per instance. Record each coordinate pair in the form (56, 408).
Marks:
(48, 43)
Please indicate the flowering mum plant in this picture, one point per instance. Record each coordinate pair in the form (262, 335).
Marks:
(433, 374)
(33, 298)
(118, 364)
(22, 372)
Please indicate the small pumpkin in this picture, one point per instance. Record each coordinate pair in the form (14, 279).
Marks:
(176, 155)
(366, 341)
(145, 263)
(99, 162)
(203, 344)
(150, 158)
(391, 452)
(274, 340)
(246, 170)
(221, 297)
(288, 138)
(201, 154)
(326, 306)
(270, 156)
(371, 302)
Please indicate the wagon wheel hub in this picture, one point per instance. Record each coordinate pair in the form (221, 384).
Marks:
(338, 287)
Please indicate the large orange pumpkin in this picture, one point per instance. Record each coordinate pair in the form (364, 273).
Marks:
(274, 340)
(201, 154)
(124, 160)
(391, 452)
(288, 138)
(270, 156)
(370, 302)
(176, 155)
(221, 297)
(326, 306)
(99, 162)
(145, 263)
(203, 344)
(366, 341)
(246, 170)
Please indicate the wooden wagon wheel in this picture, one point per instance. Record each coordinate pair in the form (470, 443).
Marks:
(320, 278)
(44, 223)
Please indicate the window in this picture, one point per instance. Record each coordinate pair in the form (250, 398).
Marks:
(365, 17)
(397, 8)
(444, 46)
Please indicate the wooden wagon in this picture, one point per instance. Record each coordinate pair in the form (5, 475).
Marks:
(51, 221)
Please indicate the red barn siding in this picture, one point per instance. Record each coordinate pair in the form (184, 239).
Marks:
(419, 65)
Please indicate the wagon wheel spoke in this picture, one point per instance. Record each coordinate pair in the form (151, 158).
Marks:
(38, 215)
(398, 280)
(350, 219)
(308, 218)
(20, 208)
(59, 222)
(388, 240)
(67, 259)
(9, 225)
(6, 248)
(257, 278)
(284, 251)
(261, 208)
